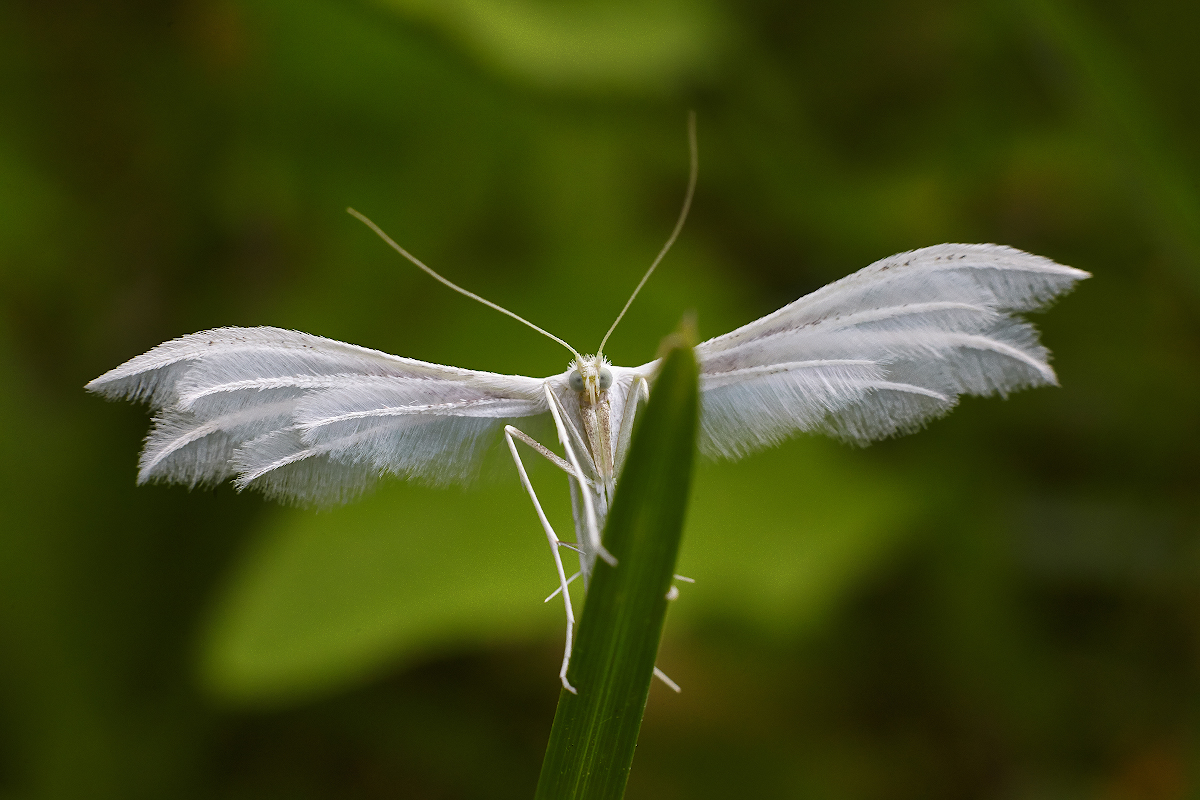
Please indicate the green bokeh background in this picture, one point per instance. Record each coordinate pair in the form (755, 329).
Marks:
(1002, 606)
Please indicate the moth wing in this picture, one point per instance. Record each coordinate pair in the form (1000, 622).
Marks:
(882, 351)
(310, 419)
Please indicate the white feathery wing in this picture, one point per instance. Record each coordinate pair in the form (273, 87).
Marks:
(877, 353)
(310, 418)
(882, 351)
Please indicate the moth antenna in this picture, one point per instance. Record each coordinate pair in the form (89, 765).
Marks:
(379, 232)
(687, 205)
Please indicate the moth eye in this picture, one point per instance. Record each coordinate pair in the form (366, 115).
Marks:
(576, 381)
(605, 379)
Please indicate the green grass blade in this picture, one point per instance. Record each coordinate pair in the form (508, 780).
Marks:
(592, 742)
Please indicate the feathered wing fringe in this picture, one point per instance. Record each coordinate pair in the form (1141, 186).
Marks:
(289, 465)
(307, 418)
(931, 325)
(197, 449)
(850, 401)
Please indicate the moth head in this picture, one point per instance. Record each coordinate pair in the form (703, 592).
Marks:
(590, 375)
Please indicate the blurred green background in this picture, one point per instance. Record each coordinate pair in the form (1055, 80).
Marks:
(1005, 605)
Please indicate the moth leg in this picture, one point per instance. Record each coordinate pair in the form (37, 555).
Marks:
(553, 540)
(673, 592)
(546, 453)
(638, 391)
(554, 594)
(577, 440)
(662, 676)
(594, 544)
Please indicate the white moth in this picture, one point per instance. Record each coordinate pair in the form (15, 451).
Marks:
(875, 354)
